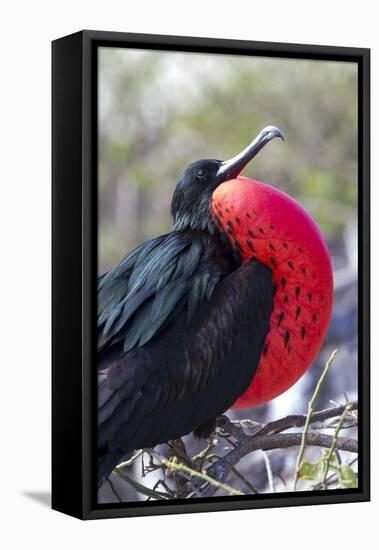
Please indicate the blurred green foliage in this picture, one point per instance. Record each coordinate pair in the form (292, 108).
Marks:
(159, 111)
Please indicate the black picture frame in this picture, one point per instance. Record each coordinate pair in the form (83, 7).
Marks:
(74, 204)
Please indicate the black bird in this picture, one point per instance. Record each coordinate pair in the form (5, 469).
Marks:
(181, 323)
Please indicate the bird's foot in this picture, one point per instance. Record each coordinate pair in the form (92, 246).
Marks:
(227, 428)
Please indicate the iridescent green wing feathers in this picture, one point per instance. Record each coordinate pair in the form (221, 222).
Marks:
(151, 285)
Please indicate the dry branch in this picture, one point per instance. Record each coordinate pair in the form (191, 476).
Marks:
(298, 420)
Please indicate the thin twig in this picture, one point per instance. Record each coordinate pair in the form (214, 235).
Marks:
(309, 414)
(165, 486)
(114, 490)
(139, 487)
(333, 447)
(242, 478)
(131, 460)
(270, 477)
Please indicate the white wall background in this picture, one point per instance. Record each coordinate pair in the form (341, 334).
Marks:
(27, 29)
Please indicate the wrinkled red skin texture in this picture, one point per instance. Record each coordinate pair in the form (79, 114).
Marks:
(272, 227)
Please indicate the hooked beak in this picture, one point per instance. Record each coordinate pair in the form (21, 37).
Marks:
(231, 168)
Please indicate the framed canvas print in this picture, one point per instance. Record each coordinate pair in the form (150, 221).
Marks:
(210, 274)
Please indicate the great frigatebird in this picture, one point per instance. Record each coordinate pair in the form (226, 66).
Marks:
(227, 309)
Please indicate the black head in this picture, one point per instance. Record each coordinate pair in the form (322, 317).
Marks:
(193, 192)
(190, 203)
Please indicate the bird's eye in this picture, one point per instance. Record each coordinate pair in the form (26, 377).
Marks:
(202, 174)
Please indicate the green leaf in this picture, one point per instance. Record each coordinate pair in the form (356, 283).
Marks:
(348, 479)
(333, 463)
(311, 470)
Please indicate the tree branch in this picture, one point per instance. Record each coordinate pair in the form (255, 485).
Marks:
(298, 420)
